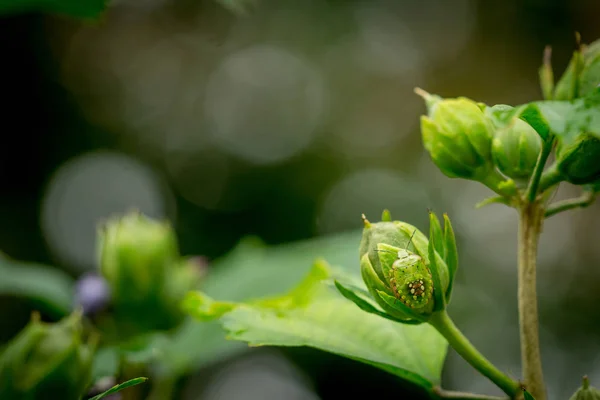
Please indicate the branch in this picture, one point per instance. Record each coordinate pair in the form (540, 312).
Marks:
(585, 200)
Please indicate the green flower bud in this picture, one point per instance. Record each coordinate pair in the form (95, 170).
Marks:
(577, 159)
(458, 136)
(586, 392)
(408, 275)
(139, 258)
(516, 148)
(47, 361)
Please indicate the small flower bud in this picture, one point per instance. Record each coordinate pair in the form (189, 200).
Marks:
(47, 360)
(586, 392)
(577, 159)
(404, 271)
(457, 135)
(139, 258)
(516, 148)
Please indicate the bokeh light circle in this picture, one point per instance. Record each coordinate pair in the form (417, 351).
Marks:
(264, 104)
(88, 189)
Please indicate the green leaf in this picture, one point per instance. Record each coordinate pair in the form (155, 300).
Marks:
(119, 387)
(315, 314)
(50, 287)
(250, 270)
(565, 119)
(527, 395)
(85, 9)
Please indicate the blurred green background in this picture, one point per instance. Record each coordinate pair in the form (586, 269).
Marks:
(286, 122)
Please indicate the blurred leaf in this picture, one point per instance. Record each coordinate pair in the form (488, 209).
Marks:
(51, 287)
(87, 9)
(250, 270)
(315, 314)
(119, 387)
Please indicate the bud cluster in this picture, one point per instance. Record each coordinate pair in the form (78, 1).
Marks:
(464, 142)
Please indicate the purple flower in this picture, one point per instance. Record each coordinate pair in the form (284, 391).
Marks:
(92, 293)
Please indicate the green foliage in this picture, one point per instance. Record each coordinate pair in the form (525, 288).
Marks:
(119, 387)
(564, 119)
(251, 270)
(51, 288)
(314, 314)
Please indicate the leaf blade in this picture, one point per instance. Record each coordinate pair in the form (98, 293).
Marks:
(329, 322)
(50, 287)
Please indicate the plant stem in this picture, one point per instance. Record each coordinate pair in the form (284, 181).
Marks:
(585, 200)
(534, 183)
(530, 224)
(443, 323)
(449, 394)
